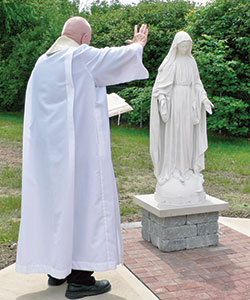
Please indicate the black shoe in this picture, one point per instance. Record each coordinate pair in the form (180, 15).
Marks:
(76, 291)
(52, 281)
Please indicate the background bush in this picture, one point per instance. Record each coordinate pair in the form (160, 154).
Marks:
(221, 35)
(229, 116)
(28, 28)
(113, 25)
(139, 99)
(220, 31)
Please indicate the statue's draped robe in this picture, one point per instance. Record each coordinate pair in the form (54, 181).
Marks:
(70, 210)
(178, 145)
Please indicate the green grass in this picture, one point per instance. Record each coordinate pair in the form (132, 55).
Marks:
(11, 177)
(227, 173)
(11, 126)
(9, 219)
(9, 227)
(228, 154)
(133, 167)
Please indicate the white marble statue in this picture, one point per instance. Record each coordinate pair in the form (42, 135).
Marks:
(178, 137)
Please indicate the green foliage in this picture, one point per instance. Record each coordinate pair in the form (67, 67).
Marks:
(139, 99)
(217, 72)
(113, 25)
(221, 34)
(28, 28)
(15, 17)
(220, 31)
(230, 116)
(227, 23)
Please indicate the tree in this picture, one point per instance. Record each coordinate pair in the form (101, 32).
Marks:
(28, 28)
(221, 34)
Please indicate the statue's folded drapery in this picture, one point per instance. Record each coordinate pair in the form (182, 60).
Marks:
(178, 136)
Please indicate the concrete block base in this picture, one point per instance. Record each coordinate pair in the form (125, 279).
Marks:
(177, 228)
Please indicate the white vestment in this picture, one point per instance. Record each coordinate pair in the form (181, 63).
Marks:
(70, 210)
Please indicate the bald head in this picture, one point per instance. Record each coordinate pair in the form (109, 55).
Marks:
(78, 29)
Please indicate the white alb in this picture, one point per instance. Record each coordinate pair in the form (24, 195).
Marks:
(70, 210)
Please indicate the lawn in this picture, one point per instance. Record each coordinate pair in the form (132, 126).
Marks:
(227, 175)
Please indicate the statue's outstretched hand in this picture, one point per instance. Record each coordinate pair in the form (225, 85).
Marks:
(140, 37)
(208, 106)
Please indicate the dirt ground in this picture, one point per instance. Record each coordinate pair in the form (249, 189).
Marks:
(10, 154)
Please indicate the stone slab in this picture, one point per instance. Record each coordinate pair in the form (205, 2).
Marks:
(207, 228)
(239, 224)
(203, 218)
(16, 286)
(173, 245)
(202, 241)
(148, 202)
(173, 233)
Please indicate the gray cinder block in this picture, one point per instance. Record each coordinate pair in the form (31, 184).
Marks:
(208, 228)
(203, 218)
(145, 234)
(184, 231)
(202, 241)
(169, 221)
(172, 245)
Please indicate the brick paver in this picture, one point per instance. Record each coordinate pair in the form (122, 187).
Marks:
(221, 272)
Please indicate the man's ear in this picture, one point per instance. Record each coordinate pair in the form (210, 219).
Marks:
(84, 38)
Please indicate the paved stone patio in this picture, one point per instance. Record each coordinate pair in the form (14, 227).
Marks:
(221, 272)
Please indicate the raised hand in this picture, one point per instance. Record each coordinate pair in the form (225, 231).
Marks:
(140, 37)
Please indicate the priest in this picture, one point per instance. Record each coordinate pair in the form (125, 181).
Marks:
(70, 225)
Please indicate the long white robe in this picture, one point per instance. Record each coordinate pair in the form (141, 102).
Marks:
(70, 210)
(182, 140)
(178, 136)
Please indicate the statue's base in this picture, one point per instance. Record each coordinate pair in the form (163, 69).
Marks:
(172, 228)
(181, 193)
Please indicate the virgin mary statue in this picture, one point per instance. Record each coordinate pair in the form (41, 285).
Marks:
(178, 137)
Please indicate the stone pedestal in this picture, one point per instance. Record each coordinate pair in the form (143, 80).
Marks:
(172, 228)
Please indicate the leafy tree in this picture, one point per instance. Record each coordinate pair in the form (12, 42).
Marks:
(139, 99)
(113, 24)
(230, 116)
(220, 31)
(28, 28)
(15, 17)
(221, 34)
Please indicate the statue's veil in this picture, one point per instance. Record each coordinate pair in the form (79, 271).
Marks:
(180, 37)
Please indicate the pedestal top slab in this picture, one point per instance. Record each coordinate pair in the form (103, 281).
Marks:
(148, 202)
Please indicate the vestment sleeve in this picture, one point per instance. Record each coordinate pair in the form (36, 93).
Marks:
(110, 66)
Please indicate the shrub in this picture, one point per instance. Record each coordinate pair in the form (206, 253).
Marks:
(230, 116)
(112, 26)
(227, 23)
(217, 73)
(28, 28)
(139, 99)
